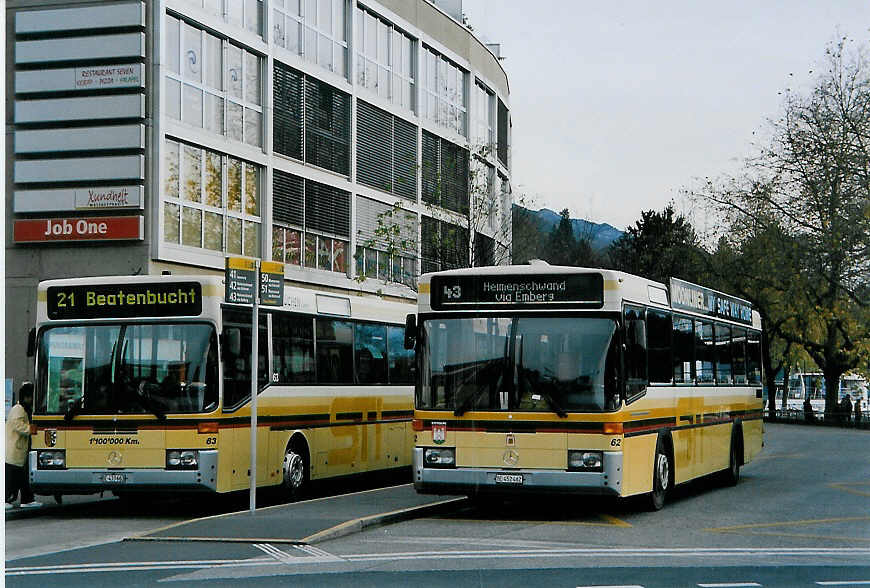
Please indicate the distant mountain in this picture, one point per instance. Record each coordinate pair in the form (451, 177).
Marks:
(601, 235)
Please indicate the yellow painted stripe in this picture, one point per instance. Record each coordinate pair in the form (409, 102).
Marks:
(786, 524)
(42, 295)
(423, 288)
(611, 284)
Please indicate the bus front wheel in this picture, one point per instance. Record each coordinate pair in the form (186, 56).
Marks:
(661, 482)
(295, 468)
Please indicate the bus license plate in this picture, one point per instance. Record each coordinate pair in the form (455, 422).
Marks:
(114, 478)
(516, 479)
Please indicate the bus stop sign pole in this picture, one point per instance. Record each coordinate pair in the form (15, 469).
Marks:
(255, 339)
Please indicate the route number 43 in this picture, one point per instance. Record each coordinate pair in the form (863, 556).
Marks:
(452, 293)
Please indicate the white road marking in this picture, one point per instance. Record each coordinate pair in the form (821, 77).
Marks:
(731, 585)
(620, 586)
(845, 583)
(315, 555)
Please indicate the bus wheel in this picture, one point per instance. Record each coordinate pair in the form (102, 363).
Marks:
(661, 477)
(295, 472)
(731, 476)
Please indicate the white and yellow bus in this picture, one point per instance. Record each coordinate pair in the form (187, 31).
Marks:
(569, 380)
(144, 384)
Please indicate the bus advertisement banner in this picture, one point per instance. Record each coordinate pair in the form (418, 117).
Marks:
(688, 296)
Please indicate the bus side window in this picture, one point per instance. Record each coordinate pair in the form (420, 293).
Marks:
(635, 352)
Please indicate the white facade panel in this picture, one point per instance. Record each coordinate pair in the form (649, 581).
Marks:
(88, 17)
(80, 139)
(73, 199)
(73, 48)
(64, 109)
(80, 168)
(80, 78)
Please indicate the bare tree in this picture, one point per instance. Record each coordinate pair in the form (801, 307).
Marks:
(813, 181)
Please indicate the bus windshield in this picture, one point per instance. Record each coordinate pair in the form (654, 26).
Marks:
(533, 364)
(127, 368)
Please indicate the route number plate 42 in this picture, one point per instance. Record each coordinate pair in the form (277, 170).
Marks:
(516, 479)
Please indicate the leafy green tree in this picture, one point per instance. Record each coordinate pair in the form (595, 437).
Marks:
(659, 246)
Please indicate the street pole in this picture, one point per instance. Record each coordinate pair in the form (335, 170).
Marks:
(255, 337)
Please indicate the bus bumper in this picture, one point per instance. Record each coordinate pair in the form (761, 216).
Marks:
(91, 480)
(472, 481)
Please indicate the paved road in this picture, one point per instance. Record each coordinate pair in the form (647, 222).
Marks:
(799, 517)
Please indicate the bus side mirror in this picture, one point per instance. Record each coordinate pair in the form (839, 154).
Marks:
(231, 341)
(31, 342)
(410, 331)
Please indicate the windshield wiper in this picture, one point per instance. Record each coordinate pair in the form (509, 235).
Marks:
(557, 408)
(148, 404)
(74, 408)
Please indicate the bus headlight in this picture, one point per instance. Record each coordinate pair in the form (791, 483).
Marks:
(585, 461)
(439, 457)
(51, 460)
(182, 459)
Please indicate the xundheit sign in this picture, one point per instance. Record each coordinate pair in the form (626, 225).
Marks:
(688, 296)
(103, 228)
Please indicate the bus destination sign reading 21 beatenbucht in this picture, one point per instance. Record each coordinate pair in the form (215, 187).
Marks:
(124, 300)
(550, 291)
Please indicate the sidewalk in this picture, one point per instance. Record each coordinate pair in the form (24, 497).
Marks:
(310, 521)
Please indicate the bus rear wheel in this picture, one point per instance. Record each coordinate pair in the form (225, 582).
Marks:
(295, 478)
(661, 483)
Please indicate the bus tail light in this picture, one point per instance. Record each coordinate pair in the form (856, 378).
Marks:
(417, 424)
(613, 429)
(33, 429)
(207, 427)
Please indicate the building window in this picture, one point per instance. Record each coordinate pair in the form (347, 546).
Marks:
(312, 119)
(444, 95)
(211, 200)
(483, 134)
(246, 14)
(376, 264)
(443, 245)
(315, 29)
(386, 148)
(213, 84)
(444, 174)
(311, 223)
(503, 133)
(384, 59)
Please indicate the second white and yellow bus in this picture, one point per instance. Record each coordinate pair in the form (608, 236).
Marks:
(144, 383)
(569, 380)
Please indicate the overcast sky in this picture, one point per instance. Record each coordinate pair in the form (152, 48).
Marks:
(618, 105)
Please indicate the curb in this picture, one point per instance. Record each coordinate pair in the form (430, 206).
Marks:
(341, 530)
(387, 518)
